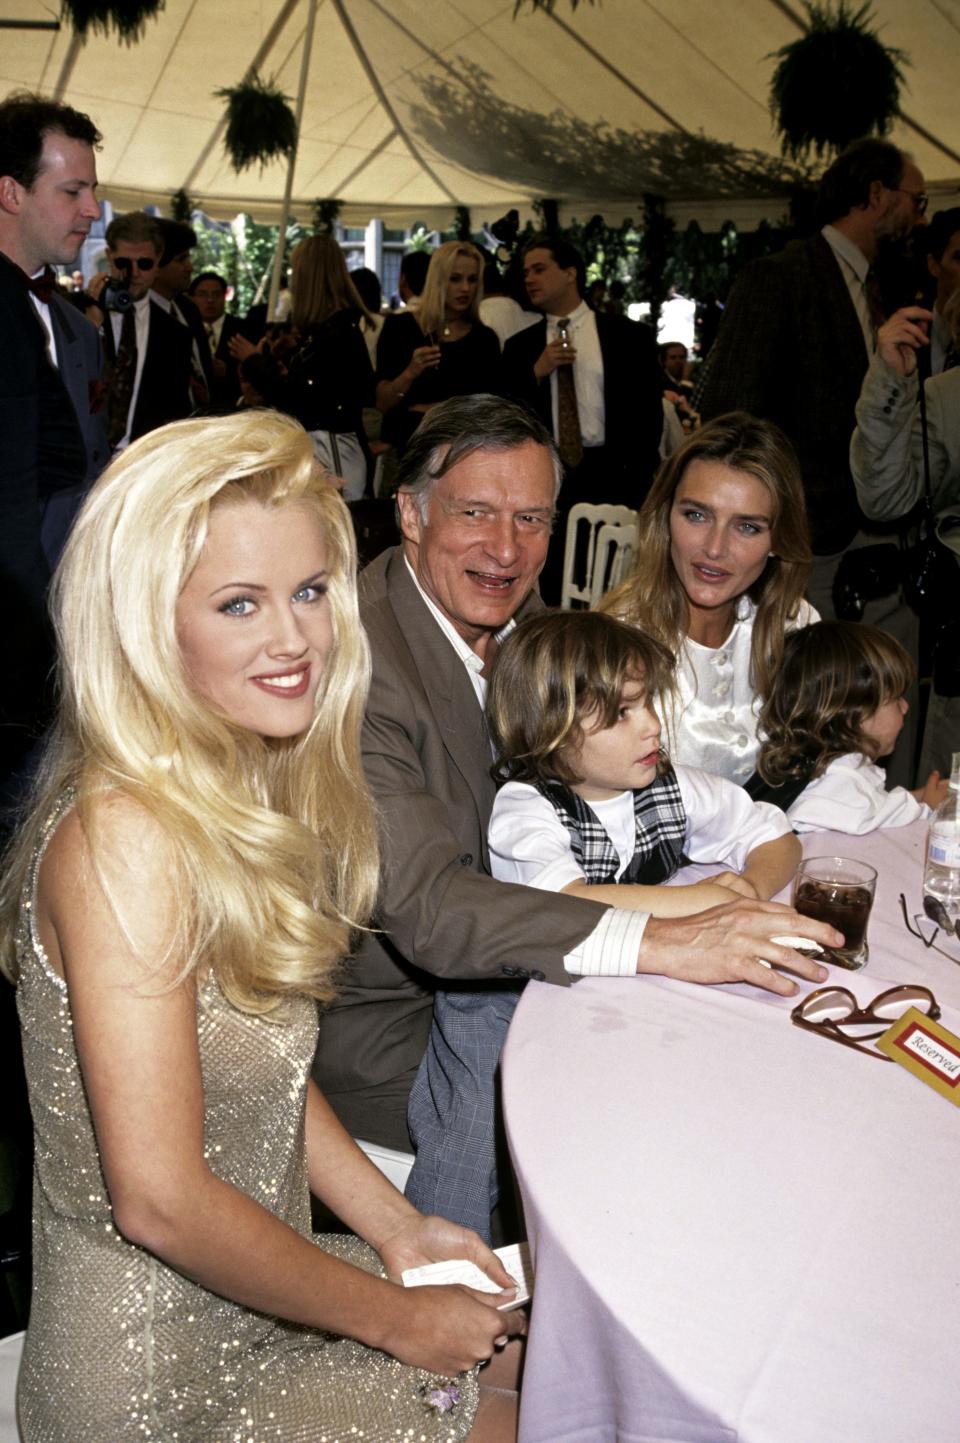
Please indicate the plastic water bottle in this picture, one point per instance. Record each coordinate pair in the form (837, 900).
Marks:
(941, 879)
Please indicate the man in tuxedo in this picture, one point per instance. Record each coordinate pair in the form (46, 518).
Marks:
(594, 380)
(208, 292)
(52, 442)
(148, 351)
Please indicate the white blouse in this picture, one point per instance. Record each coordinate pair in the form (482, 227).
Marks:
(852, 797)
(714, 724)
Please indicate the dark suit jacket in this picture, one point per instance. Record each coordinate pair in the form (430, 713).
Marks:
(80, 362)
(188, 310)
(225, 391)
(790, 349)
(164, 393)
(41, 453)
(427, 757)
(632, 391)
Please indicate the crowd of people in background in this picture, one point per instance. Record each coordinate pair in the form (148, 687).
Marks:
(258, 762)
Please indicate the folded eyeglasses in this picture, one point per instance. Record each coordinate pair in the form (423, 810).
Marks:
(830, 1010)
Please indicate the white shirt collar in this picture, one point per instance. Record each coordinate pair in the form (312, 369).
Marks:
(465, 652)
(847, 250)
(575, 317)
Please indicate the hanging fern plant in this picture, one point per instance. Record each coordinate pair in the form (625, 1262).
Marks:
(127, 17)
(260, 123)
(181, 206)
(326, 213)
(836, 83)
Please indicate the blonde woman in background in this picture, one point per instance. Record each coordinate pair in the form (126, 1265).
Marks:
(440, 350)
(722, 559)
(200, 847)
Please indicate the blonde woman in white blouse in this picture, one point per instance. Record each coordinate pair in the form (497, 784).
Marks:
(719, 572)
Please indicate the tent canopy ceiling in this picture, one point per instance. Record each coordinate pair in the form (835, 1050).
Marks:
(414, 108)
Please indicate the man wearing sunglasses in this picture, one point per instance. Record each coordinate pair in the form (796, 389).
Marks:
(148, 352)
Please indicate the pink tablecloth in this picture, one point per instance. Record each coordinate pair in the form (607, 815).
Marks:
(741, 1231)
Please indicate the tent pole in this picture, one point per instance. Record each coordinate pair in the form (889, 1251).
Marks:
(288, 188)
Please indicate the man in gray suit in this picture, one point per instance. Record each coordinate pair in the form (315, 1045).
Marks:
(478, 485)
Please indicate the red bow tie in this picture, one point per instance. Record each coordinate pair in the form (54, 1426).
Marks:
(43, 285)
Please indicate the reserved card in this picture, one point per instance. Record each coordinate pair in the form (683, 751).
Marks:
(927, 1050)
(515, 1258)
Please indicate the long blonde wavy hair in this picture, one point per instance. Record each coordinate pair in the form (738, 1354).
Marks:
(653, 597)
(274, 841)
(320, 284)
(433, 303)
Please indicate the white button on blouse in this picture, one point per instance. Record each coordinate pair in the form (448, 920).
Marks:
(715, 723)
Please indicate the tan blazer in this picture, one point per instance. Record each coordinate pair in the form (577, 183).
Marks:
(427, 758)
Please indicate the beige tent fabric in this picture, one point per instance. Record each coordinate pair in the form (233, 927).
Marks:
(415, 106)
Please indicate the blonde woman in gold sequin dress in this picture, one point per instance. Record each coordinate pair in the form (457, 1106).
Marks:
(200, 848)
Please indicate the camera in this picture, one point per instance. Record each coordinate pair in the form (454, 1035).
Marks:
(115, 295)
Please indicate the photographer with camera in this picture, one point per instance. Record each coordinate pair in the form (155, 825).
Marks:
(148, 352)
(887, 462)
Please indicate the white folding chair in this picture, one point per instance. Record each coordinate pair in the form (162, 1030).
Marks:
(611, 561)
(580, 548)
(10, 1351)
(394, 1165)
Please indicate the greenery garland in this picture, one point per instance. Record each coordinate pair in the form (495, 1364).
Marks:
(260, 123)
(127, 17)
(836, 83)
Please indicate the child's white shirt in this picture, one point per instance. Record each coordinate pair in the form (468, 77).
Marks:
(852, 796)
(530, 844)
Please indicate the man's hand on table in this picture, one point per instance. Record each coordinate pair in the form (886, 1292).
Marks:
(725, 943)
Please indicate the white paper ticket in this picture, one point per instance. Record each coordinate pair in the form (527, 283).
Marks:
(515, 1258)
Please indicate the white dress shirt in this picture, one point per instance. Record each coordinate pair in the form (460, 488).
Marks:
(713, 723)
(141, 315)
(852, 797)
(611, 948)
(213, 330)
(587, 374)
(530, 844)
(42, 309)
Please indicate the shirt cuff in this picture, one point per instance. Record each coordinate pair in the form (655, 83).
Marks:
(612, 948)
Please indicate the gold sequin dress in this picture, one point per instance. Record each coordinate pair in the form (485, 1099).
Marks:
(122, 1348)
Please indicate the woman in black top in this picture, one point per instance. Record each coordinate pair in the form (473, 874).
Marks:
(440, 350)
(328, 379)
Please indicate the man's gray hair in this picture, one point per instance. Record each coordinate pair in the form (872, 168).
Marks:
(455, 429)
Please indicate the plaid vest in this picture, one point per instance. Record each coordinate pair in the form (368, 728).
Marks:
(661, 828)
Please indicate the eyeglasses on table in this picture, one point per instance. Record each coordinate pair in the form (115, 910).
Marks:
(830, 1009)
(935, 912)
